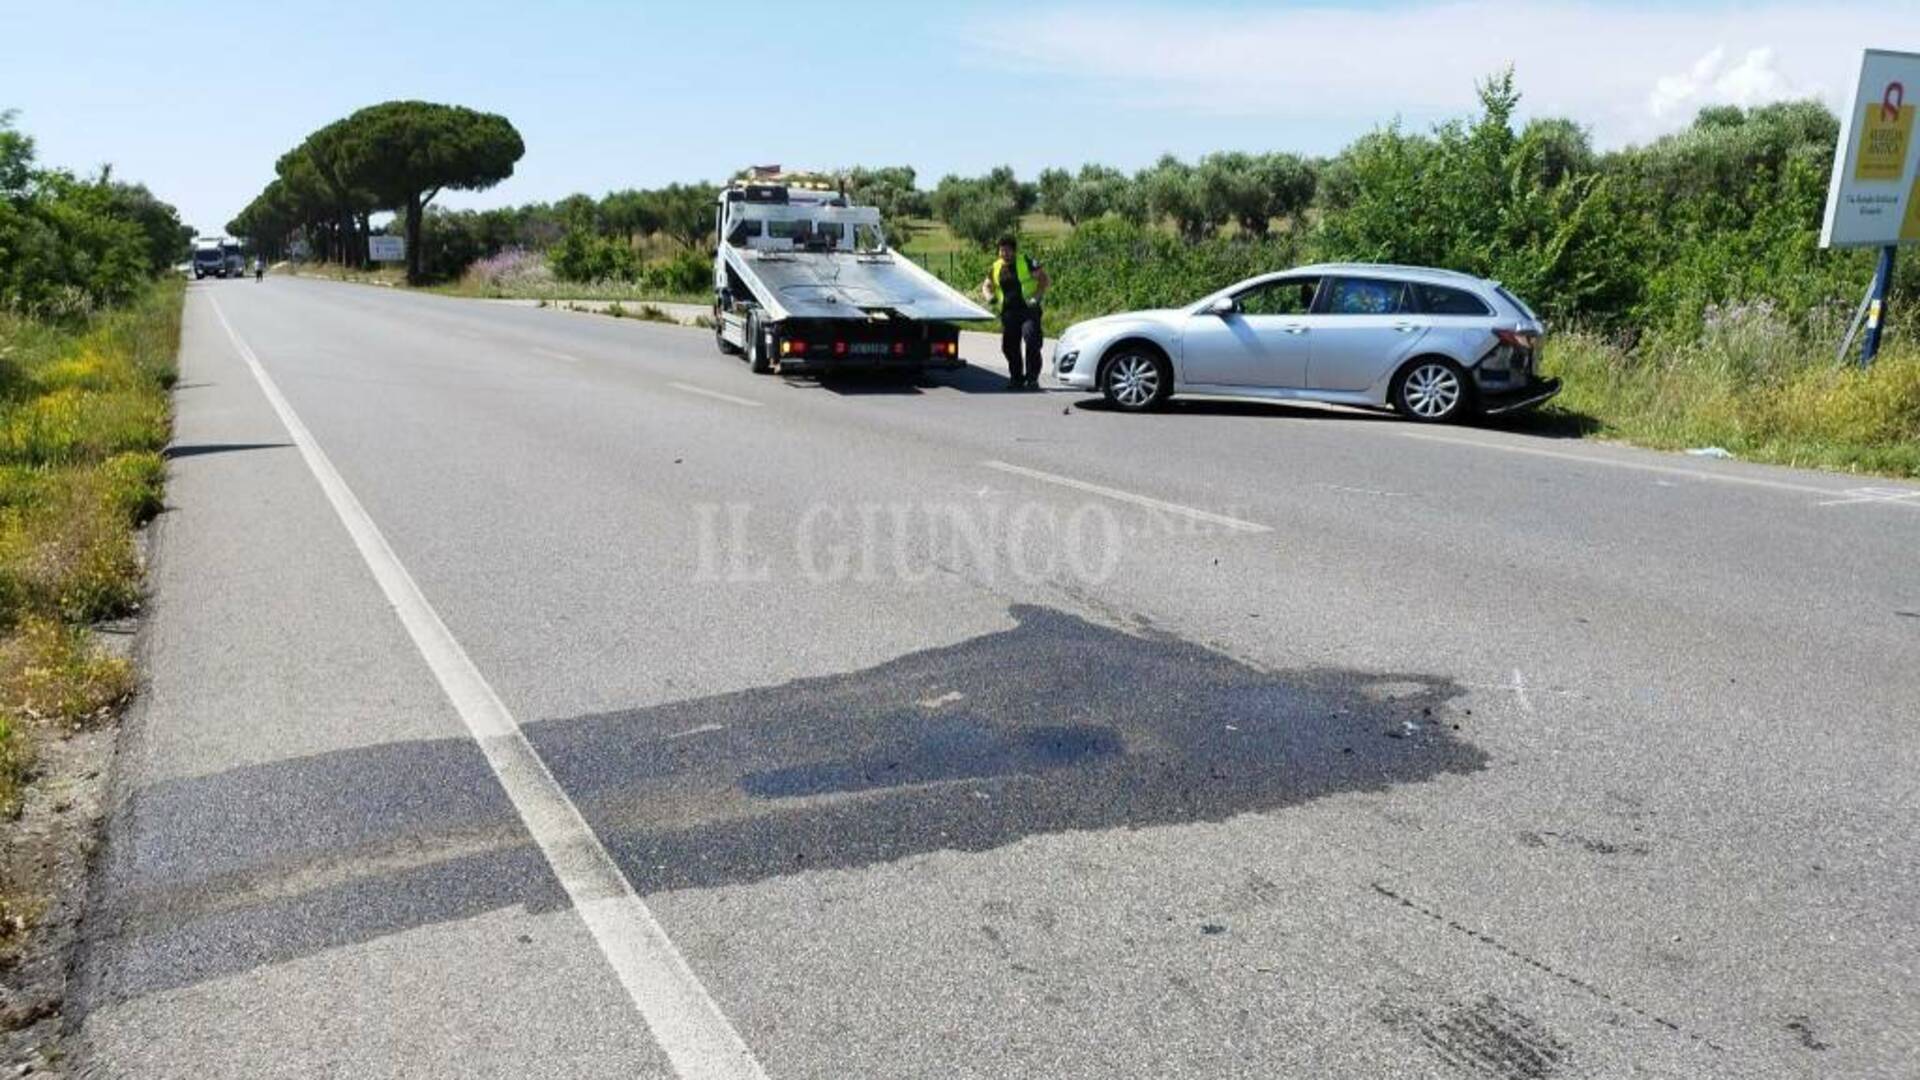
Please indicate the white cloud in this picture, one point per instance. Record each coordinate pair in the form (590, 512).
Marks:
(1611, 66)
(1755, 80)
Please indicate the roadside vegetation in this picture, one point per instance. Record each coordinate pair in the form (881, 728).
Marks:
(87, 345)
(1690, 301)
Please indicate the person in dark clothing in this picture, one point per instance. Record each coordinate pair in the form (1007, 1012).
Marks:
(1016, 285)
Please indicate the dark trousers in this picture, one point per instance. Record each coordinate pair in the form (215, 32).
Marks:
(1017, 329)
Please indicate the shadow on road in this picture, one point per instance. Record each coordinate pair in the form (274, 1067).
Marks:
(1549, 423)
(186, 450)
(1056, 724)
(967, 380)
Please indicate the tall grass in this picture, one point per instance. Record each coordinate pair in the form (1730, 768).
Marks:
(83, 416)
(1752, 384)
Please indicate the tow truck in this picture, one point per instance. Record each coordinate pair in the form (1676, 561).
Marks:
(805, 283)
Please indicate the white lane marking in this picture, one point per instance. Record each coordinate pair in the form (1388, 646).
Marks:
(556, 355)
(1669, 470)
(703, 729)
(715, 394)
(1873, 494)
(1365, 491)
(686, 1022)
(1129, 497)
(947, 698)
(1519, 688)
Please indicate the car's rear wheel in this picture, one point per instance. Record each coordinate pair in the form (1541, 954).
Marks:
(1433, 390)
(1136, 380)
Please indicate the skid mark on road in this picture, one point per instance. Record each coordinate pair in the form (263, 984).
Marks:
(1489, 1039)
(1575, 981)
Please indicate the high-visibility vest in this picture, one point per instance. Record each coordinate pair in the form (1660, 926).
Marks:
(1023, 269)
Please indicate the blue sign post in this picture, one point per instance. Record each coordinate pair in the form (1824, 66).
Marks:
(1877, 305)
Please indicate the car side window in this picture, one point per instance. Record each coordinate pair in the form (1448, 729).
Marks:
(1440, 300)
(1367, 296)
(1287, 296)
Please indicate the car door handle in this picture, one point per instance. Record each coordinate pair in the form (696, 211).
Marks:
(1295, 329)
(1406, 327)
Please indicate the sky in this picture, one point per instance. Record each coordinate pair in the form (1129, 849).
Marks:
(198, 100)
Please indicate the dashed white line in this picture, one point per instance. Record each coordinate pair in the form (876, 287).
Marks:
(556, 355)
(715, 394)
(1206, 516)
(696, 1036)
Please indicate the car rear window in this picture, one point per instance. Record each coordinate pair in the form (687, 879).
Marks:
(1516, 302)
(1441, 300)
(1366, 296)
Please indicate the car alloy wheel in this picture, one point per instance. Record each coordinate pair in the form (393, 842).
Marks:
(1432, 391)
(1133, 381)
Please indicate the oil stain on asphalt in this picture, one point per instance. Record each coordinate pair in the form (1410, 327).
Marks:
(1056, 724)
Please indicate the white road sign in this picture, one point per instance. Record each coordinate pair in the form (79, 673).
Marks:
(1871, 201)
(387, 248)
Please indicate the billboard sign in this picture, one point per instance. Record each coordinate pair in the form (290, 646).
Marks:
(1871, 199)
(387, 248)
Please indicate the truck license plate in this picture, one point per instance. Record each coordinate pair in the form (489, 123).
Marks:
(868, 348)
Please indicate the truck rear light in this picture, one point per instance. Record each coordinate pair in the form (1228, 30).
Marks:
(839, 348)
(792, 346)
(946, 348)
(899, 348)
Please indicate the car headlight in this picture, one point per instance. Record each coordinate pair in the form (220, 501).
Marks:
(1063, 361)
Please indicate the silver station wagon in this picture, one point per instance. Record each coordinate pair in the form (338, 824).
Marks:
(1432, 344)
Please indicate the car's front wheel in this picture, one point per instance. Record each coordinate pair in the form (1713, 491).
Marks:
(1136, 380)
(1433, 390)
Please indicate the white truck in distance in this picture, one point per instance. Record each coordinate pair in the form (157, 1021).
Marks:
(218, 256)
(803, 282)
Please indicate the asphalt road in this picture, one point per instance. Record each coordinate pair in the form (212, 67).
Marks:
(555, 698)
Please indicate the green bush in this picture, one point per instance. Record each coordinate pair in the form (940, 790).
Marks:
(582, 255)
(70, 245)
(684, 272)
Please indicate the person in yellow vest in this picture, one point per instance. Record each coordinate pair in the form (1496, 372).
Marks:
(1016, 286)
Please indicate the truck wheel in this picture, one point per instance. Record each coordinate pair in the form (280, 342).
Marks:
(726, 347)
(757, 357)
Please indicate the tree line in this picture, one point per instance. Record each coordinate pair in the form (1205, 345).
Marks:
(396, 156)
(72, 243)
(1642, 237)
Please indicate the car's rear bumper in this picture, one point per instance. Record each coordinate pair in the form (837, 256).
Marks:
(1529, 396)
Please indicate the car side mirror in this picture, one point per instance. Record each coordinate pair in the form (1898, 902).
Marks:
(1223, 307)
